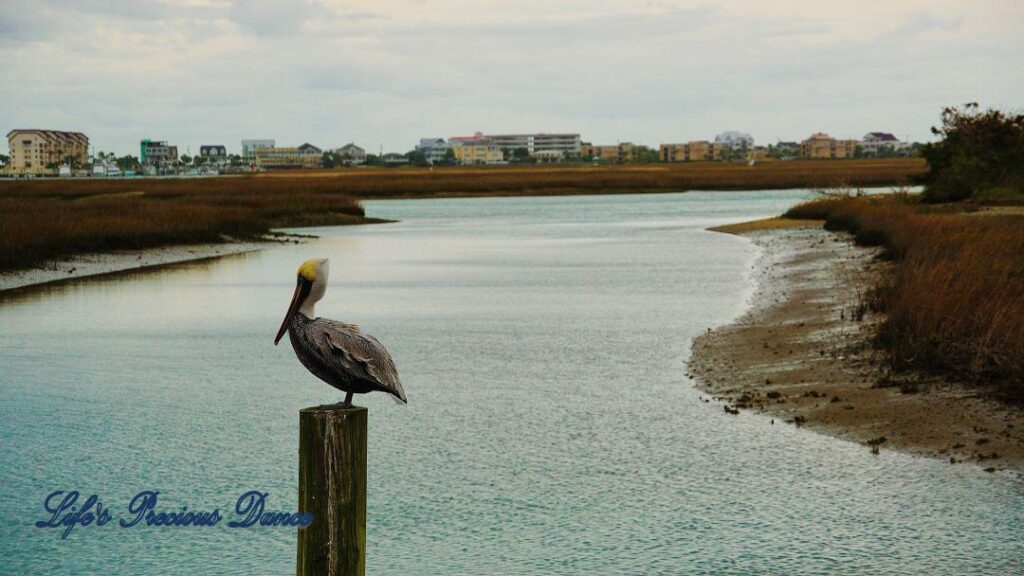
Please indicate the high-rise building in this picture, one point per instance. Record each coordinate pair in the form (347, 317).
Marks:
(43, 151)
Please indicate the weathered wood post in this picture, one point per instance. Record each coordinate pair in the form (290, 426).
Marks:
(332, 485)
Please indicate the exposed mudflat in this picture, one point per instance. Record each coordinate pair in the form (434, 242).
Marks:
(106, 263)
(802, 355)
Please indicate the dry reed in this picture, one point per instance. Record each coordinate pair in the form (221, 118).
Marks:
(954, 302)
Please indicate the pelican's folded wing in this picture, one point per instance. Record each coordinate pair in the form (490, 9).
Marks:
(362, 355)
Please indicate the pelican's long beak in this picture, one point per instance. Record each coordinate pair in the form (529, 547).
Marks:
(302, 288)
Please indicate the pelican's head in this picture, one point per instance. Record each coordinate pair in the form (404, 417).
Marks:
(310, 285)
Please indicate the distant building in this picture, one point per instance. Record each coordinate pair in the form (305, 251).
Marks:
(43, 151)
(460, 140)
(821, 145)
(565, 143)
(739, 141)
(352, 155)
(759, 154)
(623, 152)
(288, 158)
(394, 158)
(538, 143)
(476, 151)
(157, 153)
(434, 149)
(876, 143)
(214, 153)
(694, 151)
(785, 149)
(586, 150)
(249, 147)
(550, 156)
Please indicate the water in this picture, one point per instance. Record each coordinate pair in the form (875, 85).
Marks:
(550, 427)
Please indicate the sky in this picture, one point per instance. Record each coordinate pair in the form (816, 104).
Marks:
(385, 73)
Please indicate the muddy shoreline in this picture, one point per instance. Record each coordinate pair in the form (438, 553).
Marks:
(86, 265)
(803, 355)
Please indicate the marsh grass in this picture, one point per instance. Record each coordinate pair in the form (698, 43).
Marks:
(954, 302)
(43, 220)
(614, 179)
(46, 220)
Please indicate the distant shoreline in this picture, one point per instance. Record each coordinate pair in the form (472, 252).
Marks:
(802, 355)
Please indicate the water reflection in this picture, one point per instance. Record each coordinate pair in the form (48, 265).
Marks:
(550, 427)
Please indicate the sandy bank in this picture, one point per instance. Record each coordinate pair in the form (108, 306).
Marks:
(802, 354)
(107, 263)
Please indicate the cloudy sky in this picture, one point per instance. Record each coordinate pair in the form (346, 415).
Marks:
(383, 73)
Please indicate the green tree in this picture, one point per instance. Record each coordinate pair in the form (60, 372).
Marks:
(417, 157)
(980, 151)
(646, 155)
(128, 163)
(519, 156)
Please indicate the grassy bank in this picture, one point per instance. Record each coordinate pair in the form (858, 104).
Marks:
(51, 219)
(954, 302)
(614, 179)
(43, 220)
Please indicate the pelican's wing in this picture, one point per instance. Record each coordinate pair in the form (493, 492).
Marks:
(362, 355)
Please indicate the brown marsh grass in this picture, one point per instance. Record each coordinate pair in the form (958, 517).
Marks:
(954, 302)
(613, 179)
(43, 220)
(50, 219)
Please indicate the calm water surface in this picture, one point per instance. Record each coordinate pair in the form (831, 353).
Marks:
(551, 428)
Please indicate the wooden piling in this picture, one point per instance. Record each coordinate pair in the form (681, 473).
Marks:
(332, 485)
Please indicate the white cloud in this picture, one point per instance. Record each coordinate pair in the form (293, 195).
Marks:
(388, 72)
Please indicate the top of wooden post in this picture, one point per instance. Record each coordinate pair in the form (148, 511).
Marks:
(333, 410)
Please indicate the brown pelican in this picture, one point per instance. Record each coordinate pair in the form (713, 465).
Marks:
(335, 352)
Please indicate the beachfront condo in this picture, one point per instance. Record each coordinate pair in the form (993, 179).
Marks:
(42, 152)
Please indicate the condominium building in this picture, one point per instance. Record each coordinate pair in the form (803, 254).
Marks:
(567, 144)
(157, 153)
(435, 150)
(624, 152)
(477, 151)
(43, 151)
(821, 145)
(694, 151)
(249, 147)
(288, 158)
